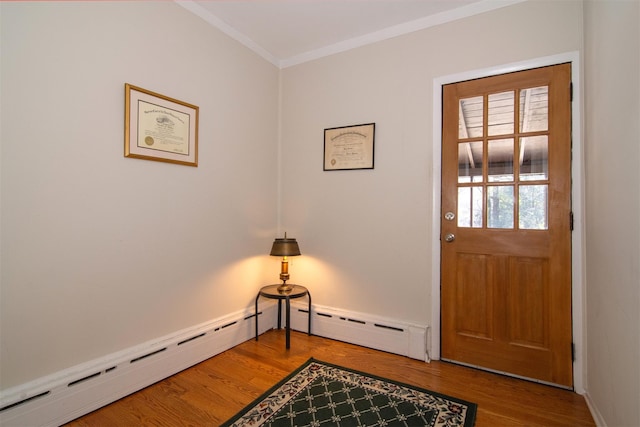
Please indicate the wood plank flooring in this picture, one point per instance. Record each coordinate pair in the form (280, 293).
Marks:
(214, 390)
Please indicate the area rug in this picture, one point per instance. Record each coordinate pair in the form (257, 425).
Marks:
(321, 394)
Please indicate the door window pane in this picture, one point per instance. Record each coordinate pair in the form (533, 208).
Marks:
(534, 109)
(500, 206)
(470, 161)
(500, 160)
(534, 158)
(470, 118)
(533, 207)
(470, 207)
(501, 113)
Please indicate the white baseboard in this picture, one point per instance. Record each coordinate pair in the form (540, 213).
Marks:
(595, 413)
(69, 394)
(362, 329)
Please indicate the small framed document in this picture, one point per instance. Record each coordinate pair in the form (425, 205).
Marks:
(159, 128)
(349, 147)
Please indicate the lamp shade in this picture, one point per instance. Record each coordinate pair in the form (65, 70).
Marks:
(285, 247)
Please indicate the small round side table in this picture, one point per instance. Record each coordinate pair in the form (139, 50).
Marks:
(271, 292)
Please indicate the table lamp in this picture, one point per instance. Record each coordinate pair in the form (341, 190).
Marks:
(285, 248)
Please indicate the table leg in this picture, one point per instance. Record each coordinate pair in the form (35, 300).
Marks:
(279, 314)
(309, 314)
(255, 312)
(288, 326)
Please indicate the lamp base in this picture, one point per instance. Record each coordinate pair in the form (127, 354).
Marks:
(284, 288)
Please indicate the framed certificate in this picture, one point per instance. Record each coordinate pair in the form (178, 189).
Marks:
(159, 128)
(349, 147)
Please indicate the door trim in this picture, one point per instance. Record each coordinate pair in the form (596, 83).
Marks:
(577, 196)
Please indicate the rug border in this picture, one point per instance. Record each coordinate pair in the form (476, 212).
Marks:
(468, 422)
(248, 406)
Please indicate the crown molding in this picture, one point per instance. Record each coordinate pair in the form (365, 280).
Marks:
(210, 18)
(374, 37)
(399, 30)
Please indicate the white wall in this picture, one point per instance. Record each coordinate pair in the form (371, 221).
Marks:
(612, 117)
(373, 227)
(102, 252)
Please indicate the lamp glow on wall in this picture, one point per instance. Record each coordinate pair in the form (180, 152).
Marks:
(285, 247)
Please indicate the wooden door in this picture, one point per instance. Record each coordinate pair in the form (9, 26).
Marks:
(506, 232)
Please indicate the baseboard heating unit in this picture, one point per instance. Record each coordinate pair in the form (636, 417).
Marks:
(69, 394)
(384, 334)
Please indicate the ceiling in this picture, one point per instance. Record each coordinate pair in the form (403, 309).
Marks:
(289, 32)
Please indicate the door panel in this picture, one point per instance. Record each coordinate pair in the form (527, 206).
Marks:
(527, 305)
(475, 302)
(506, 176)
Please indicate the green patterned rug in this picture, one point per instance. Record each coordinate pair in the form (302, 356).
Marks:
(320, 394)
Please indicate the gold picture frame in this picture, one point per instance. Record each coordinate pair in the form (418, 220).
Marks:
(349, 147)
(160, 128)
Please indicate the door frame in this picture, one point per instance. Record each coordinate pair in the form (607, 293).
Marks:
(577, 197)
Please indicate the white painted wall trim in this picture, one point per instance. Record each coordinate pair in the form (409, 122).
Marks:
(63, 396)
(380, 333)
(366, 39)
(399, 30)
(218, 23)
(597, 416)
(577, 194)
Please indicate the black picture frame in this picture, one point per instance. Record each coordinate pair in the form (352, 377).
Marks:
(349, 147)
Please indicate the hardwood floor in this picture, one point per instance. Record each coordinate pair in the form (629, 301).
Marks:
(214, 390)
